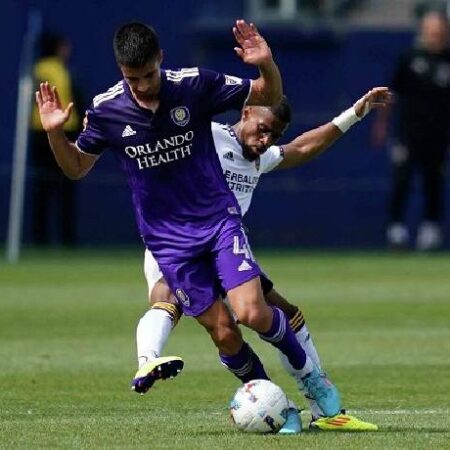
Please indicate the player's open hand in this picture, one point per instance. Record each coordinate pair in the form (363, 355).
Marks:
(53, 115)
(253, 47)
(378, 97)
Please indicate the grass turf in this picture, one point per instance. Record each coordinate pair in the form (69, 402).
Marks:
(67, 324)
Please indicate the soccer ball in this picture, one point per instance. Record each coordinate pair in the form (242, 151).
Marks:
(259, 406)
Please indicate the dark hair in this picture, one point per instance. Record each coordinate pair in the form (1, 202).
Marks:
(282, 111)
(50, 43)
(135, 44)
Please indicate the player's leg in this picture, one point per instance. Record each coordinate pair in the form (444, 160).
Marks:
(154, 329)
(238, 357)
(272, 325)
(343, 421)
(240, 276)
(299, 327)
(234, 353)
(431, 158)
(156, 325)
(397, 233)
(295, 317)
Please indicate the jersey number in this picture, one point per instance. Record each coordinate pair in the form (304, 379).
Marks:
(244, 250)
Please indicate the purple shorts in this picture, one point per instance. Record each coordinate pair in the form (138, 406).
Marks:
(226, 261)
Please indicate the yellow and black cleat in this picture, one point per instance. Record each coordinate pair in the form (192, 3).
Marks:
(157, 369)
(342, 422)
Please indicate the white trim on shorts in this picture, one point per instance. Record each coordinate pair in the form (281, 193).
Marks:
(152, 271)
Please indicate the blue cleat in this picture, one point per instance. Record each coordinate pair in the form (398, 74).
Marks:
(293, 424)
(158, 369)
(320, 388)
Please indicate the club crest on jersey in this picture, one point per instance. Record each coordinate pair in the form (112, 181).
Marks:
(182, 297)
(180, 115)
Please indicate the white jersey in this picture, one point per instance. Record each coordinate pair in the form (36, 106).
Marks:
(242, 175)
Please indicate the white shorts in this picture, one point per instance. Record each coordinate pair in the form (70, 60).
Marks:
(151, 270)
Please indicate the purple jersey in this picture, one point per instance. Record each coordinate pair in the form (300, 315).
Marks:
(179, 193)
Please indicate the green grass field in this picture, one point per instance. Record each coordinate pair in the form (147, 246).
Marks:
(67, 354)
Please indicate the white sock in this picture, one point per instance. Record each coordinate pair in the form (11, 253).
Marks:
(307, 369)
(152, 333)
(305, 340)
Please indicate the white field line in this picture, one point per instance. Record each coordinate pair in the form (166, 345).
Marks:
(387, 412)
(400, 412)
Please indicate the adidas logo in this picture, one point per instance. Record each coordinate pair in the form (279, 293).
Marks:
(128, 131)
(229, 156)
(244, 266)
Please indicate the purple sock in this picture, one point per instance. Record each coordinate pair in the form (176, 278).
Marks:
(281, 336)
(245, 364)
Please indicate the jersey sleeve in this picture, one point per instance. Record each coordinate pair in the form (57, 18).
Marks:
(271, 158)
(92, 139)
(224, 92)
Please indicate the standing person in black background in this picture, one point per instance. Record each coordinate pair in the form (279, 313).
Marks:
(422, 86)
(53, 195)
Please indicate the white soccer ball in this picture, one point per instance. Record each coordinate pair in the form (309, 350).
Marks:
(259, 406)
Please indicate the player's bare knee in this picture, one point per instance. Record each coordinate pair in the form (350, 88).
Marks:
(258, 318)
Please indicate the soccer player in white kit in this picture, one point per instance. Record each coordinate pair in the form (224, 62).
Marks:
(246, 151)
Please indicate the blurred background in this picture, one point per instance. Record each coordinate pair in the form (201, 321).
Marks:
(329, 51)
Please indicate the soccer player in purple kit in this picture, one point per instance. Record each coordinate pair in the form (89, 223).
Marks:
(157, 123)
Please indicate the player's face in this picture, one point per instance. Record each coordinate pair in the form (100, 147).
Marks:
(145, 81)
(434, 33)
(258, 131)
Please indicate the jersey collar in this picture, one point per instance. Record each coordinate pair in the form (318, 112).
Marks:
(161, 95)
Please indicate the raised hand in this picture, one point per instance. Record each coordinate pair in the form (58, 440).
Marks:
(378, 97)
(52, 114)
(253, 48)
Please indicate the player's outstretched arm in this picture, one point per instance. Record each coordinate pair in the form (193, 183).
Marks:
(312, 143)
(53, 116)
(253, 49)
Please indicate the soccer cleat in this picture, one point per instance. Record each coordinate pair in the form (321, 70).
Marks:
(341, 422)
(320, 388)
(293, 424)
(157, 369)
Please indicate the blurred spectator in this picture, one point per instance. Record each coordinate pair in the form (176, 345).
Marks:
(53, 195)
(422, 85)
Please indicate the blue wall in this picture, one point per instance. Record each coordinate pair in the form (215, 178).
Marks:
(337, 200)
